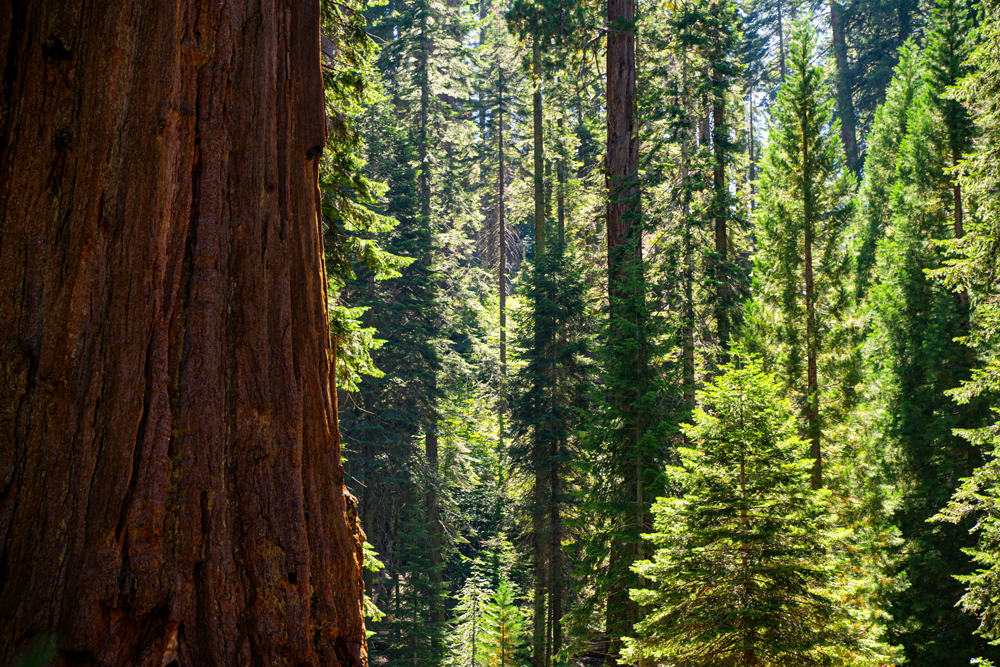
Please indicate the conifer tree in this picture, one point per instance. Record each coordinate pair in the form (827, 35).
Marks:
(805, 202)
(875, 32)
(503, 630)
(975, 269)
(745, 558)
(468, 635)
(874, 196)
(913, 359)
(552, 397)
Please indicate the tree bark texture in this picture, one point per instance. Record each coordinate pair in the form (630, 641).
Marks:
(169, 456)
(623, 141)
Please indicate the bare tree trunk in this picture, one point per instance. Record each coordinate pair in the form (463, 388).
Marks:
(561, 190)
(688, 324)
(845, 104)
(781, 43)
(721, 211)
(539, 168)
(169, 455)
(539, 454)
(541, 544)
(555, 558)
(501, 242)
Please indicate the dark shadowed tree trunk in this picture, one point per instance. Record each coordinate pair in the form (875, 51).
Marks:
(845, 104)
(169, 459)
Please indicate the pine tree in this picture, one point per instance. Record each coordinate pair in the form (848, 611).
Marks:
(805, 202)
(745, 557)
(875, 32)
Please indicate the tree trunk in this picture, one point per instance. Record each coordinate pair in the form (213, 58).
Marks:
(845, 105)
(539, 455)
(623, 142)
(812, 349)
(721, 212)
(169, 455)
(561, 189)
(781, 44)
(626, 291)
(555, 556)
(688, 323)
(501, 243)
(541, 545)
(431, 436)
(539, 180)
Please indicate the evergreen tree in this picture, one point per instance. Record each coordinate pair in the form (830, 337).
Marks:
(875, 32)
(805, 201)
(974, 268)
(874, 196)
(745, 557)
(913, 359)
(503, 630)
(467, 638)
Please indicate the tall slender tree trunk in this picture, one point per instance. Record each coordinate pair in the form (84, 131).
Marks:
(541, 543)
(431, 435)
(539, 154)
(687, 332)
(169, 456)
(555, 560)
(721, 211)
(501, 241)
(561, 188)
(812, 347)
(752, 150)
(781, 43)
(845, 104)
(540, 453)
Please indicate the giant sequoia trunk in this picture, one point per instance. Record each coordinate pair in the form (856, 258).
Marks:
(169, 459)
(626, 294)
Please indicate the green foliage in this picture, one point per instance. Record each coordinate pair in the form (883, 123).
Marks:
(973, 267)
(746, 560)
(372, 564)
(876, 31)
(805, 197)
(408, 635)
(43, 651)
(468, 634)
(874, 197)
(912, 359)
(503, 639)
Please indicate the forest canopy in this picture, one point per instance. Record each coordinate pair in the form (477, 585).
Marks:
(694, 363)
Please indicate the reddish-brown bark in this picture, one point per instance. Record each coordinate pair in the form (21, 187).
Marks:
(169, 459)
(623, 140)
